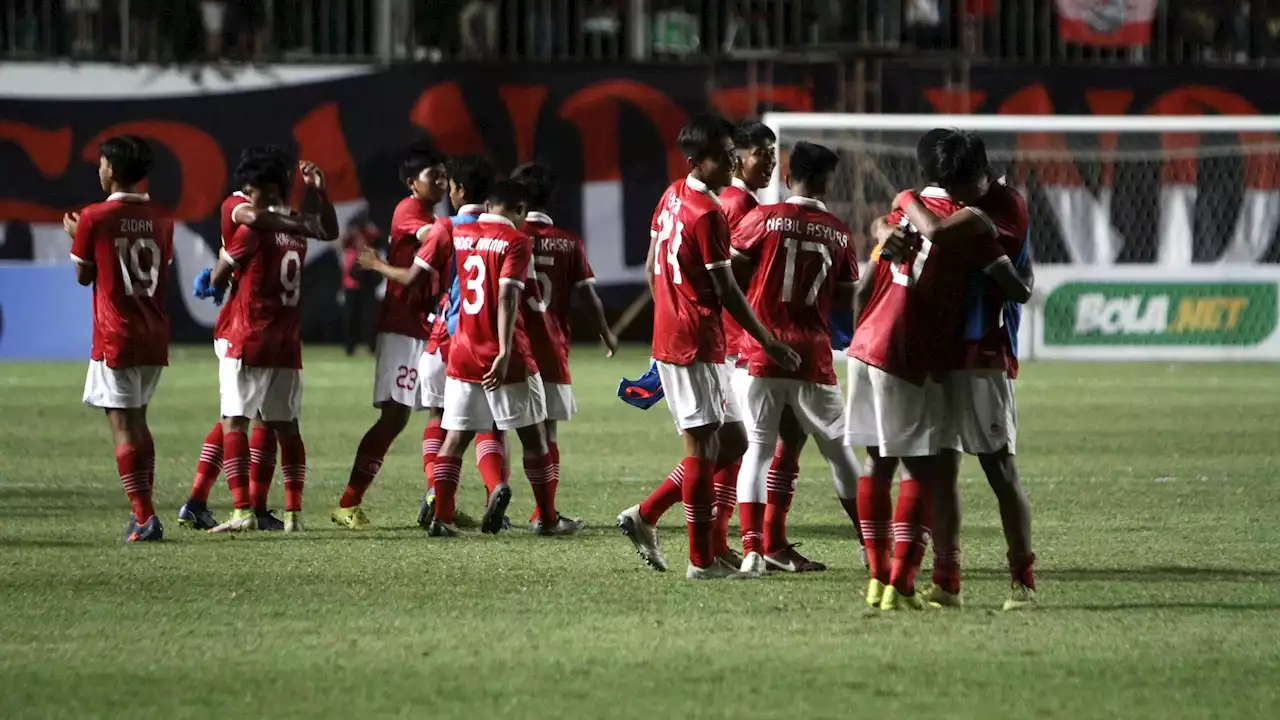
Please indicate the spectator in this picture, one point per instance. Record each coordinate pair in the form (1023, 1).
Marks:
(602, 29)
(213, 13)
(144, 28)
(85, 24)
(358, 286)
(252, 28)
(478, 26)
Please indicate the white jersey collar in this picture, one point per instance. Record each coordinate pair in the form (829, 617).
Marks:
(494, 218)
(742, 185)
(807, 202)
(697, 185)
(129, 197)
(935, 192)
(539, 217)
(473, 209)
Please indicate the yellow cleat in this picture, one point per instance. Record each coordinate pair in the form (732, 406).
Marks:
(936, 597)
(352, 518)
(893, 601)
(875, 593)
(1021, 597)
(293, 521)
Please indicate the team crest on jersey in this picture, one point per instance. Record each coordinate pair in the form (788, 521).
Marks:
(1105, 16)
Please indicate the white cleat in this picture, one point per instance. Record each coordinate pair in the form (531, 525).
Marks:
(644, 537)
(753, 565)
(717, 570)
(293, 521)
(241, 520)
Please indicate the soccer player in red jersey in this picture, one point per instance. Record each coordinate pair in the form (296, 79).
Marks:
(493, 380)
(804, 266)
(979, 369)
(123, 247)
(238, 211)
(403, 327)
(561, 268)
(691, 279)
(261, 367)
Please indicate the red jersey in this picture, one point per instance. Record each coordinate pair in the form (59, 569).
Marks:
(130, 243)
(910, 322)
(736, 200)
(265, 327)
(560, 266)
(691, 237)
(405, 308)
(802, 254)
(228, 228)
(490, 253)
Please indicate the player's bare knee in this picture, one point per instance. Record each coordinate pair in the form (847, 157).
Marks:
(237, 424)
(703, 442)
(533, 438)
(732, 438)
(394, 417)
(287, 428)
(1000, 469)
(550, 426)
(455, 443)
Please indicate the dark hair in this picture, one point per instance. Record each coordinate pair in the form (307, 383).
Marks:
(927, 153)
(960, 157)
(703, 135)
(263, 171)
(129, 158)
(812, 164)
(475, 174)
(508, 193)
(752, 134)
(420, 159)
(539, 181)
(269, 151)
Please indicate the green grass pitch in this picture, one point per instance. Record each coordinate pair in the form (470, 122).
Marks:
(1155, 498)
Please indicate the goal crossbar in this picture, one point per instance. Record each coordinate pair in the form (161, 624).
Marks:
(780, 122)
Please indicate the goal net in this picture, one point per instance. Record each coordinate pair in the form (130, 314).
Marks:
(1148, 209)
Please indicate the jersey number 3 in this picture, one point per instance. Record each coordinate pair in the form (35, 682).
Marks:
(671, 232)
(474, 299)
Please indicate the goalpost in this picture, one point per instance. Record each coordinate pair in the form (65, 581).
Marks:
(1154, 237)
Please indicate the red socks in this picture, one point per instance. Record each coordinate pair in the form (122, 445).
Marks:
(660, 500)
(909, 533)
(432, 439)
(946, 567)
(698, 493)
(553, 449)
(293, 466)
(874, 507)
(373, 449)
(752, 517)
(262, 465)
(542, 473)
(1020, 569)
(781, 487)
(235, 465)
(446, 472)
(491, 460)
(136, 466)
(726, 489)
(209, 465)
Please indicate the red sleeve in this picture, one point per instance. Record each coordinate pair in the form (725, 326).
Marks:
(435, 252)
(984, 251)
(749, 233)
(896, 217)
(516, 264)
(846, 261)
(711, 232)
(242, 245)
(82, 245)
(581, 273)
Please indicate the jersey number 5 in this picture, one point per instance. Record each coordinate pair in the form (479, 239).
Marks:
(789, 274)
(129, 254)
(544, 284)
(671, 232)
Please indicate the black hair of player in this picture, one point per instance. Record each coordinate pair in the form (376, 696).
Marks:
(508, 194)
(812, 165)
(264, 172)
(129, 158)
(961, 159)
(927, 153)
(270, 151)
(703, 136)
(752, 134)
(539, 180)
(475, 175)
(418, 160)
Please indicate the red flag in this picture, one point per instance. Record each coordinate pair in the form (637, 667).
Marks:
(1106, 23)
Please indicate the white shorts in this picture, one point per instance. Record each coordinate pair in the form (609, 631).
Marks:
(246, 391)
(909, 417)
(561, 405)
(468, 406)
(120, 388)
(396, 373)
(860, 429)
(695, 393)
(818, 407)
(431, 380)
(981, 415)
(732, 402)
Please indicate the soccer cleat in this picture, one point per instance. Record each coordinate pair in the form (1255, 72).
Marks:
(268, 521)
(150, 531)
(939, 598)
(715, 571)
(441, 529)
(130, 527)
(875, 593)
(495, 510)
(563, 526)
(788, 560)
(241, 520)
(426, 511)
(732, 558)
(292, 521)
(894, 601)
(644, 536)
(753, 565)
(1021, 597)
(353, 518)
(195, 515)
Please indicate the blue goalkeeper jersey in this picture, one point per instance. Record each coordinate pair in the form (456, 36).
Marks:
(451, 317)
(976, 299)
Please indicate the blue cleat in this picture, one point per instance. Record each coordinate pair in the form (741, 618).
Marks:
(267, 520)
(150, 531)
(195, 515)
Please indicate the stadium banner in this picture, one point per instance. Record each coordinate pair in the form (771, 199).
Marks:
(1134, 313)
(44, 313)
(1106, 23)
(608, 131)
